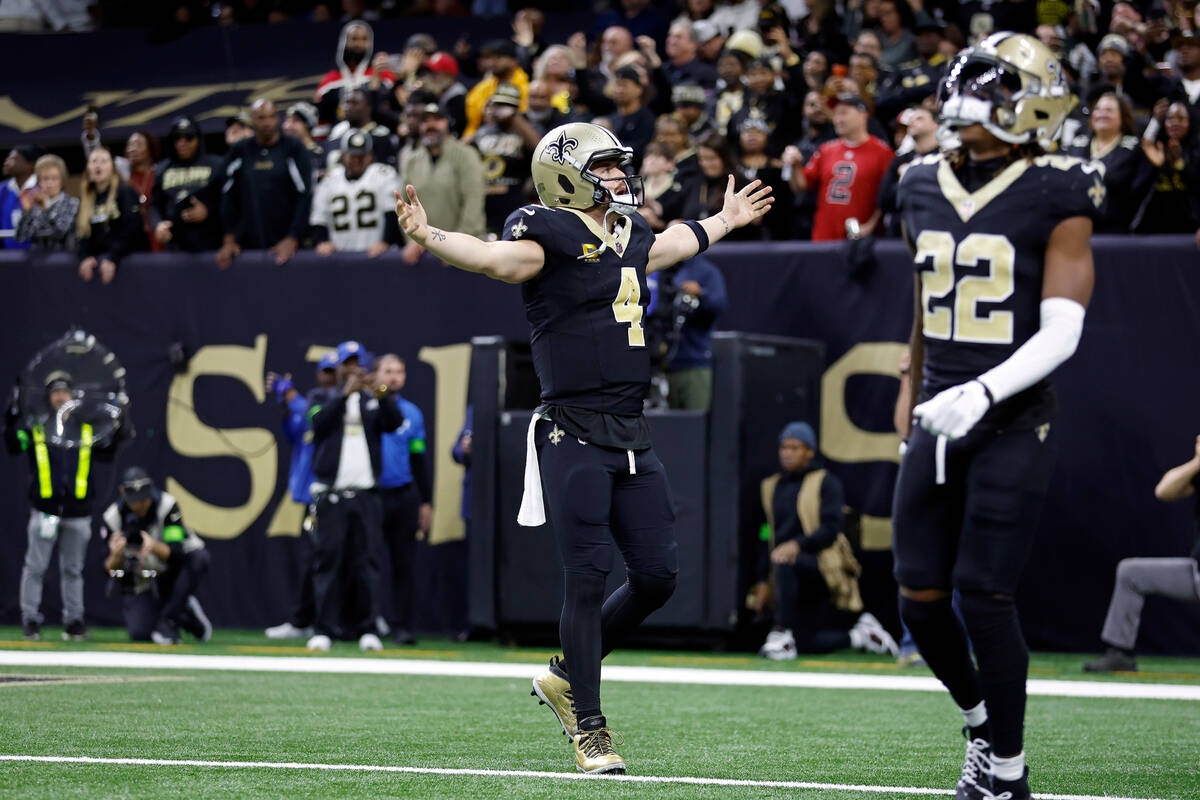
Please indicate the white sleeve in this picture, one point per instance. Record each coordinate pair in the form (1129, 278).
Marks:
(319, 215)
(1054, 343)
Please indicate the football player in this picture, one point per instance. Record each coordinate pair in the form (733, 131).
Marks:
(1001, 236)
(582, 256)
(350, 206)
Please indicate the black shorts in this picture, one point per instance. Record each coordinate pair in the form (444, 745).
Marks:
(973, 532)
(594, 500)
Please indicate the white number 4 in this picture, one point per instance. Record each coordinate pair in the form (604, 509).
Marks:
(627, 307)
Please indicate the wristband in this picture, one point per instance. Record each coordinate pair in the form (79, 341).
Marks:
(701, 234)
(987, 392)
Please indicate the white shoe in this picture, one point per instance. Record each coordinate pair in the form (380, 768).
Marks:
(871, 637)
(201, 617)
(319, 643)
(288, 631)
(369, 642)
(779, 646)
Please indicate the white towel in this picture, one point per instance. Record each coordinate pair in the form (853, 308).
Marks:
(533, 507)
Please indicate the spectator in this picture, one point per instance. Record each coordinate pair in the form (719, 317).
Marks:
(816, 129)
(671, 130)
(352, 205)
(501, 56)
(357, 106)
(528, 25)
(447, 174)
(690, 101)
(299, 121)
(406, 493)
(1127, 174)
(687, 299)
(47, 212)
(741, 48)
(844, 173)
(896, 34)
(914, 80)
(764, 102)
(146, 534)
(543, 114)
(1138, 578)
(821, 30)
(142, 152)
(664, 186)
(615, 42)
(815, 71)
(60, 493)
(710, 41)
(439, 74)
(1187, 64)
(348, 424)
(1115, 76)
(238, 127)
(20, 177)
(109, 226)
(864, 71)
(1173, 205)
(683, 64)
(298, 432)
(186, 199)
(90, 140)
(267, 193)
(706, 195)
(354, 69)
(810, 558)
(554, 69)
(754, 163)
(922, 131)
(633, 123)
(458, 583)
(505, 143)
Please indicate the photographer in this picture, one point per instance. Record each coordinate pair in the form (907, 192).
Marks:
(685, 302)
(157, 562)
(61, 495)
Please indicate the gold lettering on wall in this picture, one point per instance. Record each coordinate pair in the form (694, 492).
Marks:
(841, 439)
(191, 438)
(451, 367)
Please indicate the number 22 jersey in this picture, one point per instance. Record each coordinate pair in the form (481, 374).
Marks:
(980, 258)
(586, 308)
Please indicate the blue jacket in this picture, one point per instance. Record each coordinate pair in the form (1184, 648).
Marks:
(400, 445)
(465, 459)
(695, 337)
(10, 207)
(297, 430)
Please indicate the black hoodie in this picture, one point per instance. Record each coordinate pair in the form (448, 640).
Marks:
(177, 183)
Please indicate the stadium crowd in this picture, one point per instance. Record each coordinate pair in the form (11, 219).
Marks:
(824, 101)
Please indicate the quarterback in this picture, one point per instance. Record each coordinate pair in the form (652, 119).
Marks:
(1000, 232)
(582, 256)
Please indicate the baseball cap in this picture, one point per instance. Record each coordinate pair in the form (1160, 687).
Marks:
(688, 94)
(746, 42)
(240, 118)
(305, 112)
(801, 431)
(499, 47)
(136, 485)
(772, 16)
(350, 348)
(441, 62)
(628, 74)
(328, 361)
(421, 41)
(754, 123)
(849, 99)
(183, 128)
(506, 94)
(1113, 41)
(357, 143)
(705, 30)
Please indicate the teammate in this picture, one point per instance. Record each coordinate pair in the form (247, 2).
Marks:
(350, 205)
(1001, 237)
(583, 255)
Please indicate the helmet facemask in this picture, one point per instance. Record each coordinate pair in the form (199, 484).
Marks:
(633, 193)
(980, 89)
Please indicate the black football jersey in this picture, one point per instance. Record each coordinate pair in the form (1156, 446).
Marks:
(587, 309)
(980, 257)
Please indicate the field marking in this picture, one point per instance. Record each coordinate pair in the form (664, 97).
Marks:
(484, 669)
(521, 773)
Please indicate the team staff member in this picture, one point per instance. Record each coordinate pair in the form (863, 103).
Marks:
(583, 256)
(844, 173)
(348, 424)
(145, 533)
(61, 496)
(267, 190)
(406, 492)
(186, 202)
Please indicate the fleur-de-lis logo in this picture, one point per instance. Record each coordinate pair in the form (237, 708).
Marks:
(518, 229)
(556, 435)
(558, 149)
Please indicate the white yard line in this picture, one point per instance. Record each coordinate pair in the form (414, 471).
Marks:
(514, 773)
(481, 669)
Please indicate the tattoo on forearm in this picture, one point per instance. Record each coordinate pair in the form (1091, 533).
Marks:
(721, 217)
(436, 234)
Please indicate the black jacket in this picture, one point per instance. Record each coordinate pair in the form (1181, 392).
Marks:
(175, 186)
(114, 237)
(267, 192)
(328, 414)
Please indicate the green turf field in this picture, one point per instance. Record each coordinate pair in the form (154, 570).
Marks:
(1093, 746)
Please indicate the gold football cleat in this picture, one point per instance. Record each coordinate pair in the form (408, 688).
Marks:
(555, 691)
(594, 753)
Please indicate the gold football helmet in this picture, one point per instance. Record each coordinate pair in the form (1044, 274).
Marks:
(1010, 83)
(562, 169)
